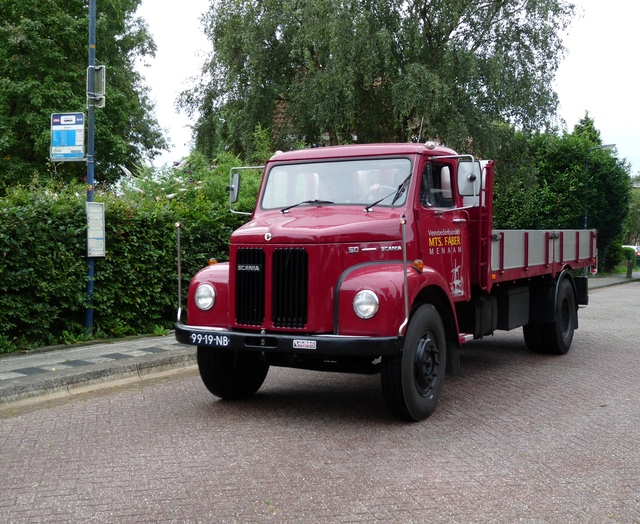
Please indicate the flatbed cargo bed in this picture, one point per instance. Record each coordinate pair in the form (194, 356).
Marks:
(517, 254)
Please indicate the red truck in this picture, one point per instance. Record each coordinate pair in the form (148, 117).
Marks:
(378, 258)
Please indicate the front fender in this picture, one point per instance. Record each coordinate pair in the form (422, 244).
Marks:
(386, 279)
(218, 316)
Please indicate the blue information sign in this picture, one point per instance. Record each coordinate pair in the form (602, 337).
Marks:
(67, 136)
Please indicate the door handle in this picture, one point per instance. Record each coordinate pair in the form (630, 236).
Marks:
(459, 220)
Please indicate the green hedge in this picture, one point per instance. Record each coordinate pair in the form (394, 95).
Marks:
(43, 272)
(43, 269)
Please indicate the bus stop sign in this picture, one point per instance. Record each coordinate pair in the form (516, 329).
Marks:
(67, 137)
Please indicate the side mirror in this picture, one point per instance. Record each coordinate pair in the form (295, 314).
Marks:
(469, 179)
(234, 186)
(445, 183)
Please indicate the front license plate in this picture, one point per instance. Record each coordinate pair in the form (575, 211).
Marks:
(206, 339)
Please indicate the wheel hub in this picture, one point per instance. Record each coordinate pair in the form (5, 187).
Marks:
(426, 363)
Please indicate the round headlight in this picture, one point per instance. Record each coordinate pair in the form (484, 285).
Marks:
(366, 304)
(205, 296)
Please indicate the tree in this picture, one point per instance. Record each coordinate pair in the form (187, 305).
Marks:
(377, 70)
(632, 225)
(586, 128)
(43, 61)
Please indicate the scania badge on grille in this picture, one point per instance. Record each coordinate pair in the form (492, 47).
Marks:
(267, 237)
(250, 267)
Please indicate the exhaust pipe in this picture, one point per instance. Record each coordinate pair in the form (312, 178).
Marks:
(403, 224)
(178, 227)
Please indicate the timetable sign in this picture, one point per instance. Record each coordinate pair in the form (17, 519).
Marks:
(67, 136)
(95, 229)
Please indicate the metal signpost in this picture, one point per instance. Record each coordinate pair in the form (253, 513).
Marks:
(91, 104)
(67, 144)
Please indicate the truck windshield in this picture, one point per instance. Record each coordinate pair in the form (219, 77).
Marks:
(356, 182)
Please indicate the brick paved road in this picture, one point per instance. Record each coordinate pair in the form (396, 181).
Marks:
(516, 438)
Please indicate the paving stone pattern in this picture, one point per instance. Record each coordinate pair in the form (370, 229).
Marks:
(60, 361)
(516, 437)
(28, 376)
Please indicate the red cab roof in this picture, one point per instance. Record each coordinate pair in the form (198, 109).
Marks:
(359, 150)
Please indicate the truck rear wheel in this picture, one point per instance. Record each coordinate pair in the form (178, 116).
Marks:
(231, 375)
(412, 381)
(533, 338)
(558, 335)
(555, 338)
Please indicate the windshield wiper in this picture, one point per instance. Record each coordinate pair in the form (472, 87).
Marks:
(401, 189)
(316, 201)
(397, 194)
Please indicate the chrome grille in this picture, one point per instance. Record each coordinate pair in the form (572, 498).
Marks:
(290, 287)
(250, 270)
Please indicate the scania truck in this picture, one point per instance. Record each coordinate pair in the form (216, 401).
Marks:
(378, 258)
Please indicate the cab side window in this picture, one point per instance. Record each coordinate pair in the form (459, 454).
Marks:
(435, 189)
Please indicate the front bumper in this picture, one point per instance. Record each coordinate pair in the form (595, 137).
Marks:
(286, 343)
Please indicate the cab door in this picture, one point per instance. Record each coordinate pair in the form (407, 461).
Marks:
(443, 227)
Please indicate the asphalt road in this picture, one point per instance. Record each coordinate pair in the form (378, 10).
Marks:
(516, 438)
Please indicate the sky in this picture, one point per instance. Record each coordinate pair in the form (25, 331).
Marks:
(598, 74)
(181, 51)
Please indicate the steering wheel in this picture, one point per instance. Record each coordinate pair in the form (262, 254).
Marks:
(380, 190)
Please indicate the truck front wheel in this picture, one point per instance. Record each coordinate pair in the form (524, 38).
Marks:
(231, 375)
(412, 381)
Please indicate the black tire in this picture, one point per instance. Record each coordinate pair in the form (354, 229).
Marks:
(558, 335)
(231, 375)
(554, 338)
(533, 338)
(412, 381)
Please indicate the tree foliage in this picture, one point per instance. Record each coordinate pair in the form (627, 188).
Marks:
(377, 70)
(554, 186)
(632, 225)
(43, 62)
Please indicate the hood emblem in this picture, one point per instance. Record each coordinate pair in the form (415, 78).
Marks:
(267, 237)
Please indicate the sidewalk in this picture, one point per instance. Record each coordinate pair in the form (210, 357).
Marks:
(611, 280)
(62, 370)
